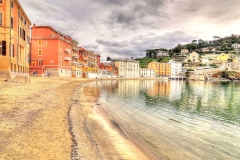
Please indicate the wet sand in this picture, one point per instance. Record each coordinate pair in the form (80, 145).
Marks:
(58, 118)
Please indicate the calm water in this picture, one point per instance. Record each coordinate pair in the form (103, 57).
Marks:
(176, 119)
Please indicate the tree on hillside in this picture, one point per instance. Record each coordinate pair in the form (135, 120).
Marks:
(109, 58)
(191, 47)
(194, 41)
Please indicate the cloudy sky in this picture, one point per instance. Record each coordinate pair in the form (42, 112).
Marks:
(126, 28)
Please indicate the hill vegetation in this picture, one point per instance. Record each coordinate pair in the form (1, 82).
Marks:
(219, 44)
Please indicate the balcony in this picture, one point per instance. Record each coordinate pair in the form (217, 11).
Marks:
(85, 58)
(75, 55)
(67, 50)
(67, 58)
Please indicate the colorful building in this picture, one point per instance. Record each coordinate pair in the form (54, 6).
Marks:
(161, 69)
(128, 68)
(223, 57)
(51, 51)
(14, 40)
(108, 68)
(90, 62)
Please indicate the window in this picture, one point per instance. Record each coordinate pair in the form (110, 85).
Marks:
(39, 52)
(60, 63)
(45, 43)
(0, 1)
(11, 22)
(3, 48)
(1, 19)
(40, 42)
(12, 4)
(12, 50)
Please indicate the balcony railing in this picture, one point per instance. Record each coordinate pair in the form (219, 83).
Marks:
(67, 50)
(76, 55)
(67, 58)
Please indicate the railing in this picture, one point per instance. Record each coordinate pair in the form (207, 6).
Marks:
(67, 58)
(67, 50)
(76, 55)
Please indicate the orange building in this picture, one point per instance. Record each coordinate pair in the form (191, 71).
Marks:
(14, 40)
(161, 69)
(109, 68)
(51, 51)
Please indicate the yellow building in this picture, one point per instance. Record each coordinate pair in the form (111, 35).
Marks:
(223, 57)
(161, 69)
(89, 62)
(14, 40)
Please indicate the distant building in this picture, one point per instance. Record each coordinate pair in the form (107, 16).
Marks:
(184, 51)
(161, 69)
(14, 40)
(176, 68)
(223, 57)
(162, 54)
(205, 61)
(192, 57)
(147, 73)
(208, 49)
(236, 46)
(108, 68)
(128, 68)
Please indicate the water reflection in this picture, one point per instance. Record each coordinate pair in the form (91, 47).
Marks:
(218, 100)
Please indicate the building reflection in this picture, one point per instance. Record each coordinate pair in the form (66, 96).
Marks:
(197, 97)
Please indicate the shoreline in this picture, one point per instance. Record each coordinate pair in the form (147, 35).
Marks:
(57, 118)
(97, 132)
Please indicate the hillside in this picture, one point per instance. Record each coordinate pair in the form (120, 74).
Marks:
(145, 61)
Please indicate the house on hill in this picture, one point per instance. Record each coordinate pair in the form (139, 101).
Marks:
(184, 51)
(192, 57)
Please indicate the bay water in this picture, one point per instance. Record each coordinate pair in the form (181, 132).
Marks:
(175, 119)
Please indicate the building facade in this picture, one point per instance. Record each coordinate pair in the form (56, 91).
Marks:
(193, 57)
(128, 68)
(76, 64)
(108, 68)
(161, 69)
(90, 62)
(14, 40)
(176, 68)
(51, 51)
(147, 73)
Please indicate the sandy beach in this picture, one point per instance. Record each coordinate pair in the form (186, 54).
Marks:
(58, 118)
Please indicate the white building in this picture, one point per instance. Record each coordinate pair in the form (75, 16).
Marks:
(162, 54)
(128, 68)
(176, 68)
(236, 46)
(147, 73)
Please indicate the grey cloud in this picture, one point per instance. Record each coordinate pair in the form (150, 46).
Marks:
(136, 46)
